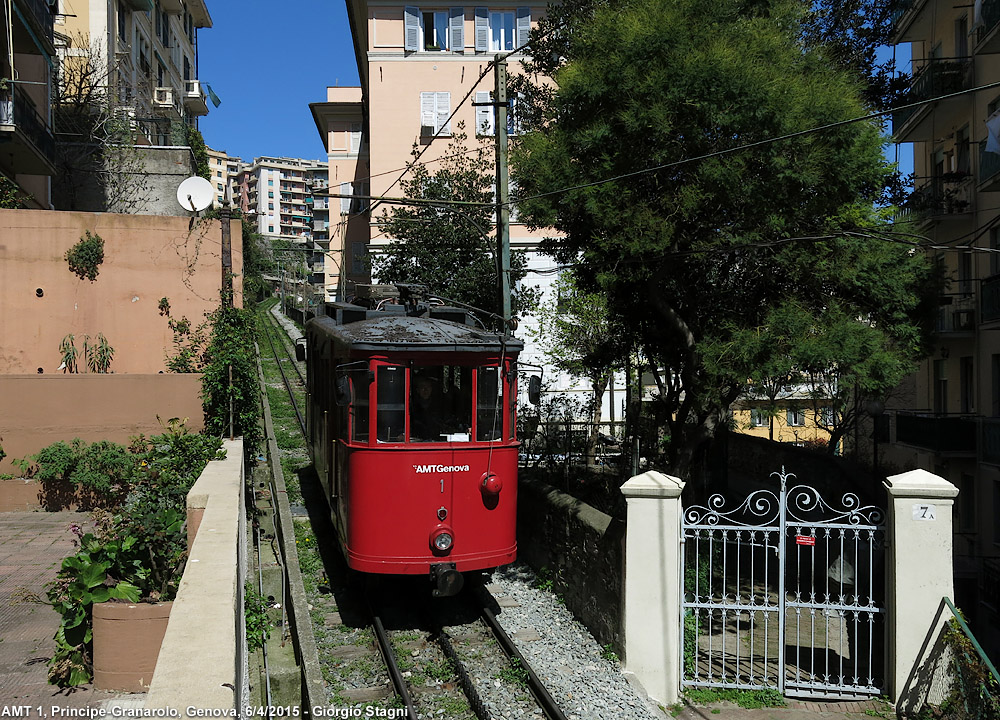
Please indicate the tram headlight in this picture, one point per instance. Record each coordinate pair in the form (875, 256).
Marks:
(442, 540)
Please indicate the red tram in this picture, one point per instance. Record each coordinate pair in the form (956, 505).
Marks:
(411, 422)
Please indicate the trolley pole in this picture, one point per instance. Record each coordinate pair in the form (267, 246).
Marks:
(503, 210)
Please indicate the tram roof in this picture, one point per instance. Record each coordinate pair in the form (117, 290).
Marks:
(397, 333)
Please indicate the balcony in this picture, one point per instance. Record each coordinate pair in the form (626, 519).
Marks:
(140, 5)
(194, 98)
(938, 76)
(990, 443)
(950, 434)
(988, 33)
(38, 16)
(957, 314)
(989, 299)
(25, 135)
(989, 169)
(910, 21)
(174, 7)
(941, 198)
(163, 99)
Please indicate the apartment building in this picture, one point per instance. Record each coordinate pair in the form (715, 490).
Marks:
(224, 172)
(27, 144)
(150, 49)
(418, 63)
(279, 195)
(947, 417)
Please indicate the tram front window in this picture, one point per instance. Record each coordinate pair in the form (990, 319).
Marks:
(441, 404)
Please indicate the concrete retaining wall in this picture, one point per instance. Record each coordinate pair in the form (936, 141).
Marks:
(582, 548)
(200, 662)
(38, 410)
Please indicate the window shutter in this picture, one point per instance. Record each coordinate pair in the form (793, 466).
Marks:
(428, 115)
(411, 28)
(355, 137)
(482, 29)
(484, 114)
(345, 202)
(523, 26)
(456, 27)
(443, 111)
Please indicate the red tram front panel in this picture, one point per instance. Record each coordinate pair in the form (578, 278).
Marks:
(398, 500)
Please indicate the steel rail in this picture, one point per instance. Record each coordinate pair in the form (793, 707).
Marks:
(471, 694)
(542, 696)
(284, 378)
(385, 647)
(290, 354)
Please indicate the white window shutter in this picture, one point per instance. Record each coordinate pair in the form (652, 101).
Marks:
(428, 111)
(456, 28)
(443, 111)
(355, 137)
(345, 202)
(523, 25)
(482, 29)
(484, 114)
(411, 28)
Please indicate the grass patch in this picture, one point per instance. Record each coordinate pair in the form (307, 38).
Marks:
(750, 699)
(514, 673)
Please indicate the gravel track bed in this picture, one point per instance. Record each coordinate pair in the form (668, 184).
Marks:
(565, 656)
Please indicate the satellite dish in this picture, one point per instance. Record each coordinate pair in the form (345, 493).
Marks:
(195, 194)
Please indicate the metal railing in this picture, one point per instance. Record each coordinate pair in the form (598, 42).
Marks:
(16, 108)
(957, 312)
(990, 16)
(976, 681)
(939, 76)
(941, 433)
(41, 12)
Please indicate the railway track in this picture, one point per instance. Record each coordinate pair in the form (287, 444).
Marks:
(468, 647)
(450, 660)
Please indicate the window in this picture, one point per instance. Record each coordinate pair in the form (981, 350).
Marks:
(486, 116)
(501, 30)
(435, 107)
(758, 418)
(441, 403)
(270, 183)
(270, 228)
(270, 206)
(218, 173)
(391, 416)
(270, 193)
(795, 417)
(489, 404)
(219, 185)
(433, 30)
(826, 417)
(355, 137)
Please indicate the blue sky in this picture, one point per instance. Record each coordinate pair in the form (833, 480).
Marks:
(267, 62)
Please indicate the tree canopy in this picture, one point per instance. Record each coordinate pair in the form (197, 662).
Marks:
(658, 156)
(449, 246)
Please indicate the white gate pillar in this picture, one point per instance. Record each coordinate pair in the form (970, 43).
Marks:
(919, 574)
(652, 583)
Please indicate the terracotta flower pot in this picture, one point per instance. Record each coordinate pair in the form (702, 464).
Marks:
(127, 640)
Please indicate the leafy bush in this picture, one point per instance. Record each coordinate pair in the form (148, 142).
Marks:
(255, 612)
(104, 470)
(138, 551)
(85, 256)
(234, 332)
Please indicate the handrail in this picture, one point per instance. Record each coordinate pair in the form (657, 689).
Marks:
(975, 643)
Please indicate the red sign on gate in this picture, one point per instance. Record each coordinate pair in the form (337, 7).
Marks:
(805, 540)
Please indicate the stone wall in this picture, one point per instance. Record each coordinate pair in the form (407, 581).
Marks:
(582, 551)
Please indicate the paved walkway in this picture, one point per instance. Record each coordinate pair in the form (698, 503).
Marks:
(32, 547)
(796, 710)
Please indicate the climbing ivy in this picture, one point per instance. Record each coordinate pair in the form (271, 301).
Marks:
(85, 256)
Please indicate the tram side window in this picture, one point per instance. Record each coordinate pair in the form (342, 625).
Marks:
(391, 398)
(489, 399)
(441, 403)
(359, 404)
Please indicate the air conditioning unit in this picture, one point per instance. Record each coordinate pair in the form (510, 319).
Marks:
(427, 131)
(163, 97)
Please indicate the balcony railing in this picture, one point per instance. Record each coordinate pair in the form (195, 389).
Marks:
(940, 433)
(17, 109)
(990, 16)
(989, 299)
(989, 166)
(957, 313)
(41, 13)
(949, 194)
(937, 77)
(902, 7)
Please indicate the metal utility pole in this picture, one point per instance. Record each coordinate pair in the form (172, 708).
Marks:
(503, 209)
(227, 252)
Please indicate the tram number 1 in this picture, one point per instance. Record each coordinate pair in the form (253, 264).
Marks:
(442, 485)
(925, 512)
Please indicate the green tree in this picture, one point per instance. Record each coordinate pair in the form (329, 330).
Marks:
(575, 335)
(713, 227)
(449, 247)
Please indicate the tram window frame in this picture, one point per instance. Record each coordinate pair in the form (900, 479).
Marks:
(450, 381)
(492, 411)
(359, 409)
(390, 378)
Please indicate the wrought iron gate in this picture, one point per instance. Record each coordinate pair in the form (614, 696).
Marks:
(784, 592)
